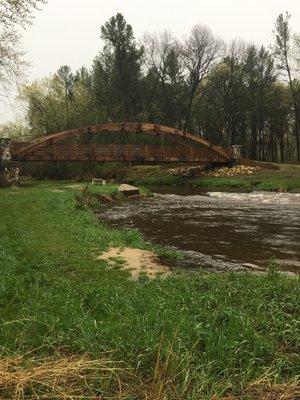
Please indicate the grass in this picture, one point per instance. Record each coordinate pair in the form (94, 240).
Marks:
(285, 177)
(180, 337)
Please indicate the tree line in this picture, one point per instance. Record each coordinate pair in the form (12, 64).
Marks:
(236, 93)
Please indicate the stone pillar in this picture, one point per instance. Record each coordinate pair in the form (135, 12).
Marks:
(5, 150)
(9, 174)
(236, 151)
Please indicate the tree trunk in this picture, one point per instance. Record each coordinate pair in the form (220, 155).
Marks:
(296, 109)
(281, 146)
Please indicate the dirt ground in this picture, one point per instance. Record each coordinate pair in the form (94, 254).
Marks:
(136, 261)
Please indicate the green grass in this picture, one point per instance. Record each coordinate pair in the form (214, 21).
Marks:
(285, 177)
(206, 334)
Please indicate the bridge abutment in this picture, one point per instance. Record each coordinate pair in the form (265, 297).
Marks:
(9, 173)
(236, 151)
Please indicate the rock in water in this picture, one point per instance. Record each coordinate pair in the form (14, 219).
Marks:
(128, 190)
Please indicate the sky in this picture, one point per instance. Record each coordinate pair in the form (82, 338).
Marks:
(67, 32)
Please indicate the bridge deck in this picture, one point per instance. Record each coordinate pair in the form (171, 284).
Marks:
(83, 152)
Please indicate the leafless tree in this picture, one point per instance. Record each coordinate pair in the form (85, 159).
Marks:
(200, 52)
(297, 53)
(158, 48)
(13, 13)
(11, 59)
(17, 12)
(163, 57)
(236, 49)
(283, 54)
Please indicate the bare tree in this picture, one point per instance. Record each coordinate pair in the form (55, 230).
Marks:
(200, 53)
(17, 12)
(13, 13)
(158, 48)
(11, 58)
(163, 57)
(297, 52)
(282, 51)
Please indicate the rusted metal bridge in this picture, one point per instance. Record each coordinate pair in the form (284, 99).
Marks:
(70, 146)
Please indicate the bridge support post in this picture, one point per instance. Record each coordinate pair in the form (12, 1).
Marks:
(236, 151)
(5, 150)
(9, 174)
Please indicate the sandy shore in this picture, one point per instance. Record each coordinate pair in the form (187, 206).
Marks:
(136, 261)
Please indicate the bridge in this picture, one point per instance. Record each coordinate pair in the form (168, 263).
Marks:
(85, 145)
(70, 146)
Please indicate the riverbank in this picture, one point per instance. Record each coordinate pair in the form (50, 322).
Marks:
(71, 324)
(270, 177)
(275, 177)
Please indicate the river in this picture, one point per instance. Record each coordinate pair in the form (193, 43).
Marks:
(217, 231)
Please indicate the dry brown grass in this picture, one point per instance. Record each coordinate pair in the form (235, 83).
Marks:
(63, 378)
(264, 390)
(73, 377)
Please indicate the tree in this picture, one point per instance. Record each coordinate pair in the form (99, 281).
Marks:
(282, 51)
(45, 101)
(13, 13)
(11, 59)
(259, 78)
(17, 12)
(163, 58)
(83, 99)
(221, 105)
(297, 50)
(234, 93)
(107, 96)
(235, 99)
(60, 102)
(67, 79)
(230, 97)
(122, 58)
(200, 53)
(221, 110)
(16, 130)
(279, 105)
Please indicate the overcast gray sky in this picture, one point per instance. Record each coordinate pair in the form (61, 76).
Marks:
(67, 32)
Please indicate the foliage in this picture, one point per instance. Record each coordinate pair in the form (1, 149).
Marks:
(16, 130)
(55, 104)
(119, 65)
(230, 94)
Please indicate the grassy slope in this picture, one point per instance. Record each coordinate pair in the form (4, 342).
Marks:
(225, 330)
(286, 177)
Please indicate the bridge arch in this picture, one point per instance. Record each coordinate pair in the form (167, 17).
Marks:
(128, 127)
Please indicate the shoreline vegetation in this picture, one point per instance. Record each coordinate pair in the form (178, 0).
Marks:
(270, 177)
(73, 326)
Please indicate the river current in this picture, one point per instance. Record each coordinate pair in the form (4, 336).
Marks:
(217, 231)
